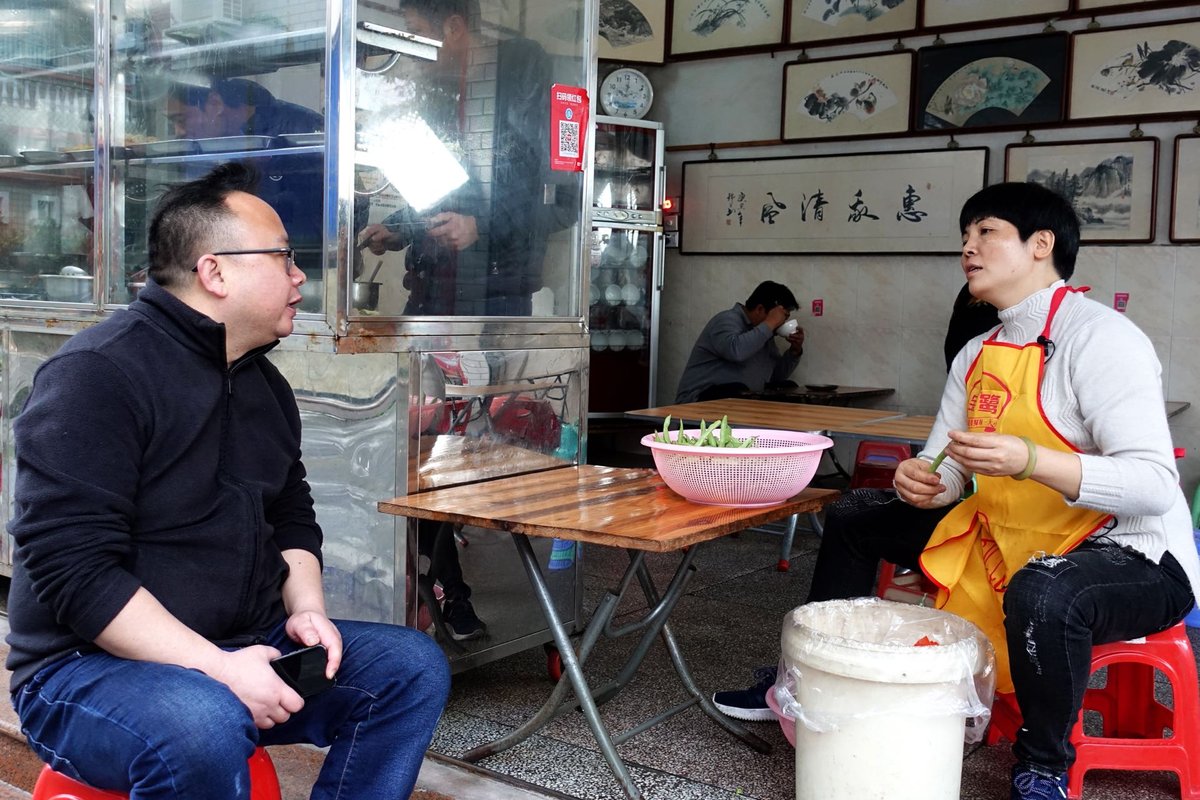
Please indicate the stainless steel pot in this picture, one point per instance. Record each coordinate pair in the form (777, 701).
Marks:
(365, 296)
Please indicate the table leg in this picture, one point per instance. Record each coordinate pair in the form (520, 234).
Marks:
(572, 668)
(685, 674)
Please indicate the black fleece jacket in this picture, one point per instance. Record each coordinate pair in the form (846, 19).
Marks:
(143, 460)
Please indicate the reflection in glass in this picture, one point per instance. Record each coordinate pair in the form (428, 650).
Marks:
(484, 245)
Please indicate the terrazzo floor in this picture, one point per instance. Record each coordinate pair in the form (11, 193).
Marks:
(728, 622)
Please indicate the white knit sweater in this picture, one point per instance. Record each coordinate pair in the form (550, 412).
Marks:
(1102, 390)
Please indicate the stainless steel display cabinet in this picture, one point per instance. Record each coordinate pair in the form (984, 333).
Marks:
(409, 158)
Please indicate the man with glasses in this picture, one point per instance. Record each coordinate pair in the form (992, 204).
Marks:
(167, 547)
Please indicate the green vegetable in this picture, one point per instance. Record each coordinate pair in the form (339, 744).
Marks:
(718, 434)
(937, 462)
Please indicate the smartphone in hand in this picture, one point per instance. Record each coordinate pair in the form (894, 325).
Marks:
(304, 670)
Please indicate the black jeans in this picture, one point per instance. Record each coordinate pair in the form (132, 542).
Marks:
(1056, 607)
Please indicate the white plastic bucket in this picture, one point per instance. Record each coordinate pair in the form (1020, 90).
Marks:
(876, 716)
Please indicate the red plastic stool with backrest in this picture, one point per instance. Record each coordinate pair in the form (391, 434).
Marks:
(264, 784)
(1133, 720)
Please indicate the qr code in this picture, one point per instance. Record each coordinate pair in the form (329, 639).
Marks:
(568, 139)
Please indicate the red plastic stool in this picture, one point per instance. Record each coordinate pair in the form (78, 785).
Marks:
(875, 464)
(1133, 721)
(264, 783)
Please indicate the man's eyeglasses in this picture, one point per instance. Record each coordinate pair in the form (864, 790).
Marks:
(289, 252)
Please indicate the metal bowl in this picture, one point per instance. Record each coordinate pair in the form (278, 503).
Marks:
(67, 288)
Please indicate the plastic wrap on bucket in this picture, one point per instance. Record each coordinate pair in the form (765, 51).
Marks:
(883, 695)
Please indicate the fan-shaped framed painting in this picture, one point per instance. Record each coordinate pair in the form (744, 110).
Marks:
(828, 98)
(972, 13)
(1136, 72)
(633, 31)
(823, 22)
(1111, 183)
(699, 28)
(1015, 82)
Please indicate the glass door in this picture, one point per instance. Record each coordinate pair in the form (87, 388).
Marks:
(47, 124)
(460, 210)
(201, 82)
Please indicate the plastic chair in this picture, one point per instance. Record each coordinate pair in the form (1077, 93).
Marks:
(51, 785)
(1133, 720)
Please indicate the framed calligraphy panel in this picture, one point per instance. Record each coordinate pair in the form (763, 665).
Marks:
(1185, 196)
(1111, 183)
(839, 98)
(899, 202)
(1153, 70)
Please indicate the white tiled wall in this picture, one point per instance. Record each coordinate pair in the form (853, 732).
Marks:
(885, 318)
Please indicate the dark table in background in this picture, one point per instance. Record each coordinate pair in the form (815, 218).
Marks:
(816, 394)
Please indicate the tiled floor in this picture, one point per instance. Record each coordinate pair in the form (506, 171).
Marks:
(728, 621)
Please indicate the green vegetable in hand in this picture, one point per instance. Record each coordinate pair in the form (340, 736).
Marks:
(937, 462)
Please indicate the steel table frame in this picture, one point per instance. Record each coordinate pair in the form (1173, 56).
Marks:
(600, 505)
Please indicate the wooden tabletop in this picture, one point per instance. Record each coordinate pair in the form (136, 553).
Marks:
(764, 414)
(455, 460)
(914, 430)
(613, 506)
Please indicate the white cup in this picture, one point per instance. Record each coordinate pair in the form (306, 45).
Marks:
(631, 294)
(612, 294)
(599, 340)
(788, 328)
(616, 340)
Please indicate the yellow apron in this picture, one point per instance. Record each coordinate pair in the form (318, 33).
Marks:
(986, 538)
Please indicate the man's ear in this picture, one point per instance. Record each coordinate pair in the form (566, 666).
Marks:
(210, 276)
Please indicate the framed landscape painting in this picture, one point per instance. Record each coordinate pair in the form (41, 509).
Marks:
(944, 13)
(1153, 70)
(889, 202)
(825, 21)
(1111, 183)
(1185, 194)
(700, 27)
(1014, 82)
(633, 31)
(845, 97)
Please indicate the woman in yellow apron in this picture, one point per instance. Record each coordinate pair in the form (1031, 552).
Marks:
(1078, 533)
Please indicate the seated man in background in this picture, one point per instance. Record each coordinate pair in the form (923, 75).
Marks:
(167, 547)
(735, 352)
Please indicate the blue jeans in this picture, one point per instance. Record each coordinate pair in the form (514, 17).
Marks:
(158, 731)
(1055, 608)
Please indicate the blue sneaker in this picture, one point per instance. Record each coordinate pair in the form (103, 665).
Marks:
(749, 704)
(1029, 783)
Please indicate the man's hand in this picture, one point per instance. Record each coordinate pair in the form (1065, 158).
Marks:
(249, 675)
(796, 340)
(312, 627)
(378, 239)
(916, 485)
(777, 316)
(456, 230)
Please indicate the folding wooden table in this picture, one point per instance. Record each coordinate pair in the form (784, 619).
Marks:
(614, 507)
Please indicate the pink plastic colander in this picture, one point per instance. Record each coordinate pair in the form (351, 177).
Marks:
(779, 466)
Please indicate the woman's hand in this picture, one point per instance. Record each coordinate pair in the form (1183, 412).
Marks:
(993, 454)
(916, 485)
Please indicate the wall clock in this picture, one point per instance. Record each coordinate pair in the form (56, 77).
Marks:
(626, 92)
